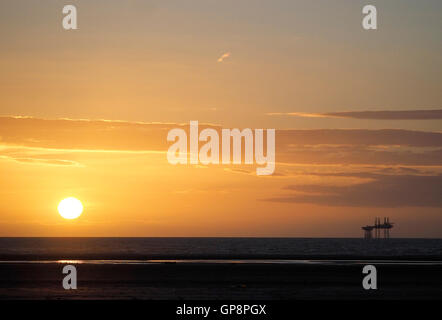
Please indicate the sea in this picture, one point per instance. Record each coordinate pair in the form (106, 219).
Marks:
(218, 268)
(241, 250)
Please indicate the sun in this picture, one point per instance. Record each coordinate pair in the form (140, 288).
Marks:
(70, 208)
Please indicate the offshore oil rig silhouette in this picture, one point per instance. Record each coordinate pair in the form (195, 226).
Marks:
(378, 226)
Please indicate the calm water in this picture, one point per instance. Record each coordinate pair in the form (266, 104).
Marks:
(216, 248)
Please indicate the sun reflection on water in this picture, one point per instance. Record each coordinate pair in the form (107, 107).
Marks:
(69, 261)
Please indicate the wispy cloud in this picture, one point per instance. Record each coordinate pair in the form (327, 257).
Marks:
(31, 138)
(382, 191)
(224, 57)
(297, 114)
(371, 115)
(50, 162)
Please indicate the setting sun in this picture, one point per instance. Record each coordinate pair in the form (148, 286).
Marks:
(70, 208)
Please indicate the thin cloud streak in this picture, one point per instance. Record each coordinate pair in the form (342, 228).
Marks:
(371, 115)
(50, 162)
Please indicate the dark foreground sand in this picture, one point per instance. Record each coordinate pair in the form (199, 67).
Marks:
(219, 281)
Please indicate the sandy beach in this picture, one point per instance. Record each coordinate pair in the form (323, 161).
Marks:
(218, 281)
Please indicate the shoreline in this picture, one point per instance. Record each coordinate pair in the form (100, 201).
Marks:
(245, 257)
(229, 261)
(205, 281)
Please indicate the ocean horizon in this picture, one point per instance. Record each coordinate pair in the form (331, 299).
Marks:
(184, 248)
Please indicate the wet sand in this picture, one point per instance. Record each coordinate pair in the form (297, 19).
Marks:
(219, 281)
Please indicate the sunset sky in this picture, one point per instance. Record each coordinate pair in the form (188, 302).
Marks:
(85, 113)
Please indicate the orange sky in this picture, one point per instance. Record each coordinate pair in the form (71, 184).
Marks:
(149, 66)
